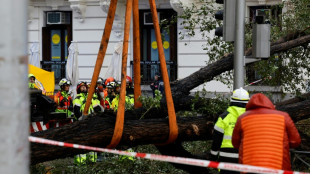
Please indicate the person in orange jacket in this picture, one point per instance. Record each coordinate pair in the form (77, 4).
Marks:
(265, 135)
(63, 99)
(100, 88)
(111, 95)
(106, 81)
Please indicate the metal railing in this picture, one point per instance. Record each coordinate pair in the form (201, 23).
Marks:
(150, 68)
(301, 156)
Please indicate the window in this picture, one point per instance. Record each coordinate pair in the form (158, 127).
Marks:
(56, 38)
(150, 64)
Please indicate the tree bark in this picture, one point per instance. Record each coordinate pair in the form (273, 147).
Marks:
(98, 130)
(183, 87)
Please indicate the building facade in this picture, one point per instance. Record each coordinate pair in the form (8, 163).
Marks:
(54, 24)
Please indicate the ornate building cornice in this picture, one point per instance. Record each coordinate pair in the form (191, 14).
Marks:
(263, 2)
(177, 6)
(118, 25)
(55, 4)
(79, 8)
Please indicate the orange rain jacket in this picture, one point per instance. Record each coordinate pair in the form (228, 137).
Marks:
(264, 135)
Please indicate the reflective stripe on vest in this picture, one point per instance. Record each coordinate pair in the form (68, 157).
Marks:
(214, 152)
(229, 155)
(226, 125)
(218, 129)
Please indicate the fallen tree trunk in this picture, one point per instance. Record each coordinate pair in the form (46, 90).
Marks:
(183, 86)
(98, 130)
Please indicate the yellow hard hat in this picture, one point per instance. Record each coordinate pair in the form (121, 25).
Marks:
(31, 75)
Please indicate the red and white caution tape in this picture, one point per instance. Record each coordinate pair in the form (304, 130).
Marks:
(38, 126)
(269, 77)
(179, 160)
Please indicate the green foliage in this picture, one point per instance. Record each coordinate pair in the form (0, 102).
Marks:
(211, 107)
(288, 69)
(150, 102)
(109, 164)
(197, 147)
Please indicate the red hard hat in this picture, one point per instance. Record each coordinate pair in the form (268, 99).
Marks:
(110, 79)
(79, 85)
(128, 79)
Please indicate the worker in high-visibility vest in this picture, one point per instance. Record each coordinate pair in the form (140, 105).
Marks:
(79, 105)
(31, 80)
(129, 101)
(80, 101)
(110, 95)
(82, 159)
(34, 83)
(100, 88)
(222, 149)
(106, 82)
(63, 99)
(264, 135)
(126, 157)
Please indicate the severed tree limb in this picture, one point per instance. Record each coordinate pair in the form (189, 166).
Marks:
(183, 86)
(298, 111)
(98, 130)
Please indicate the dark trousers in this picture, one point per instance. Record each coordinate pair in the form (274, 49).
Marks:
(228, 160)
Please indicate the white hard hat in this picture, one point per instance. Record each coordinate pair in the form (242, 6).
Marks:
(240, 95)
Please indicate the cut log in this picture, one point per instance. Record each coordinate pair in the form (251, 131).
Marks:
(98, 130)
(183, 86)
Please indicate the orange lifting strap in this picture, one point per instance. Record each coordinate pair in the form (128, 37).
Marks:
(101, 53)
(173, 126)
(136, 54)
(119, 124)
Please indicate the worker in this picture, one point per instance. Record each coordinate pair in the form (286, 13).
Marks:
(79, 105)
(117, 87)
(158, 84)
(129, 101)
(129, 87)
(108, 80)
(31, 81)
(110, 94)
(222, 149)
(80, 101)
(88, 86)
(100, 90)
(63, 99)
(126, 157)
(265, 135)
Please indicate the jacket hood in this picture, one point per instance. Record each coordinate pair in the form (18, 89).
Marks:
(259, 101)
